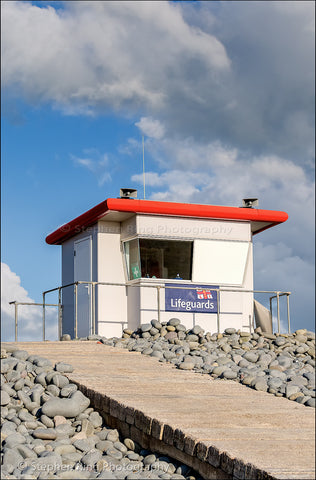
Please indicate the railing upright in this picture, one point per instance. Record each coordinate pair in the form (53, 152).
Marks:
(218, 314)
(16, 320)
(44, 319)
(288, 313)
(158, 302)
(93, 309)
(60, 314)
(76, 310)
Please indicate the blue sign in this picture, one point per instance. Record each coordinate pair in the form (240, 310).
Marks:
(197, 299)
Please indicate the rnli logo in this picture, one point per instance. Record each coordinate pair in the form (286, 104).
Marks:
(206, 294)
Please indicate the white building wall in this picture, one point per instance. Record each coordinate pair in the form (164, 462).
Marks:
(111, 300)
(179, 227)
(120, 307)
(236, 309)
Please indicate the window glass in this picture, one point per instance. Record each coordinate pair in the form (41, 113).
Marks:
(132, 259)
(165, 259)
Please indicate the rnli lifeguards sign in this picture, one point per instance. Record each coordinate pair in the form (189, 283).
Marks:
(197, 298)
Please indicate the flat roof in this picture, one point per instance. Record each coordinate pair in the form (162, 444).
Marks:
(260, 219)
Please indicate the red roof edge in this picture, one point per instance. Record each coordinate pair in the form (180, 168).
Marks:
(164, 208)
(77, 225)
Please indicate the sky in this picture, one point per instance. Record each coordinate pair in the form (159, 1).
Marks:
(223, 94)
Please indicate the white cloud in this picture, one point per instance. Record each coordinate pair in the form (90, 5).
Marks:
(215, 174)
(238, 72)
(99, 165)
(151, 127)
(94, 55)
(29, 317)
(277, 266)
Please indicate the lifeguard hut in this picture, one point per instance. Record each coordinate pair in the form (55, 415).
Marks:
(142, 258)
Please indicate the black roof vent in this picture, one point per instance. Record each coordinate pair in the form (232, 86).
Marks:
(130, 193)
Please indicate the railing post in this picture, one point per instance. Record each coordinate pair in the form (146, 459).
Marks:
(218, 319)
(158, 302)
(16, 320)
(288, 313)
(278, 310)
(59, 315)
(76, 310)
(93, 308)
(44, 320)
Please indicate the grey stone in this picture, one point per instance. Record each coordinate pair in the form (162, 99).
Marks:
(174, 322)
(113, 452)
(96, 419)
(48, 460)
(196, 330)
(5, 398)
(186, 365)
(310, 402)
(146, 327)
(229, 374)
(279, 341)
(156, 324)
(68, 407)
(25, 451)
(65, 338)
(192, 338)
(20, 354)
(83, 444)
(60, 381)
(68, 390)
(14, 439)
(260, 384)
(64, 367)
(65, 429)
(251, 357)
(103, 445)
(54, 390)
(120, 447)
(171, 336)
(230, 331)
(157, 353)
(91, 458)
(277, 374)
(291, 389)
(25, 416)
(48, 422)
(42, 362)
(11, 459)
(298, 380)
(45, 433)
(113, 436)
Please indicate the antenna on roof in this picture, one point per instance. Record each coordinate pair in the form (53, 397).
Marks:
(144, 166)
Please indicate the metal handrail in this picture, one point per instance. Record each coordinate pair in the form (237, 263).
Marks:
(276, 294)
(16, 304)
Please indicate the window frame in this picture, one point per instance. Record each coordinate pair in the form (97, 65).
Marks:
(162, 239)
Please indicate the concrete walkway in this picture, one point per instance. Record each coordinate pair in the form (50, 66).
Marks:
(224, 425)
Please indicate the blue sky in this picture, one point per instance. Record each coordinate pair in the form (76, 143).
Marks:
(223, 93)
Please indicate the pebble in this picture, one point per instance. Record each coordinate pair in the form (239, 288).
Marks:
(46, 419)
(260, 360)
(65, 431)
(68, 407)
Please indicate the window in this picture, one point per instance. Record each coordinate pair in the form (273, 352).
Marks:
(132, 259)
(150, 258)
(219, 262)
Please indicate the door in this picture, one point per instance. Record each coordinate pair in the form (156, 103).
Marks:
(83, 272)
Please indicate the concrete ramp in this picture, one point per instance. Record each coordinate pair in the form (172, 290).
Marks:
(219, 427)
